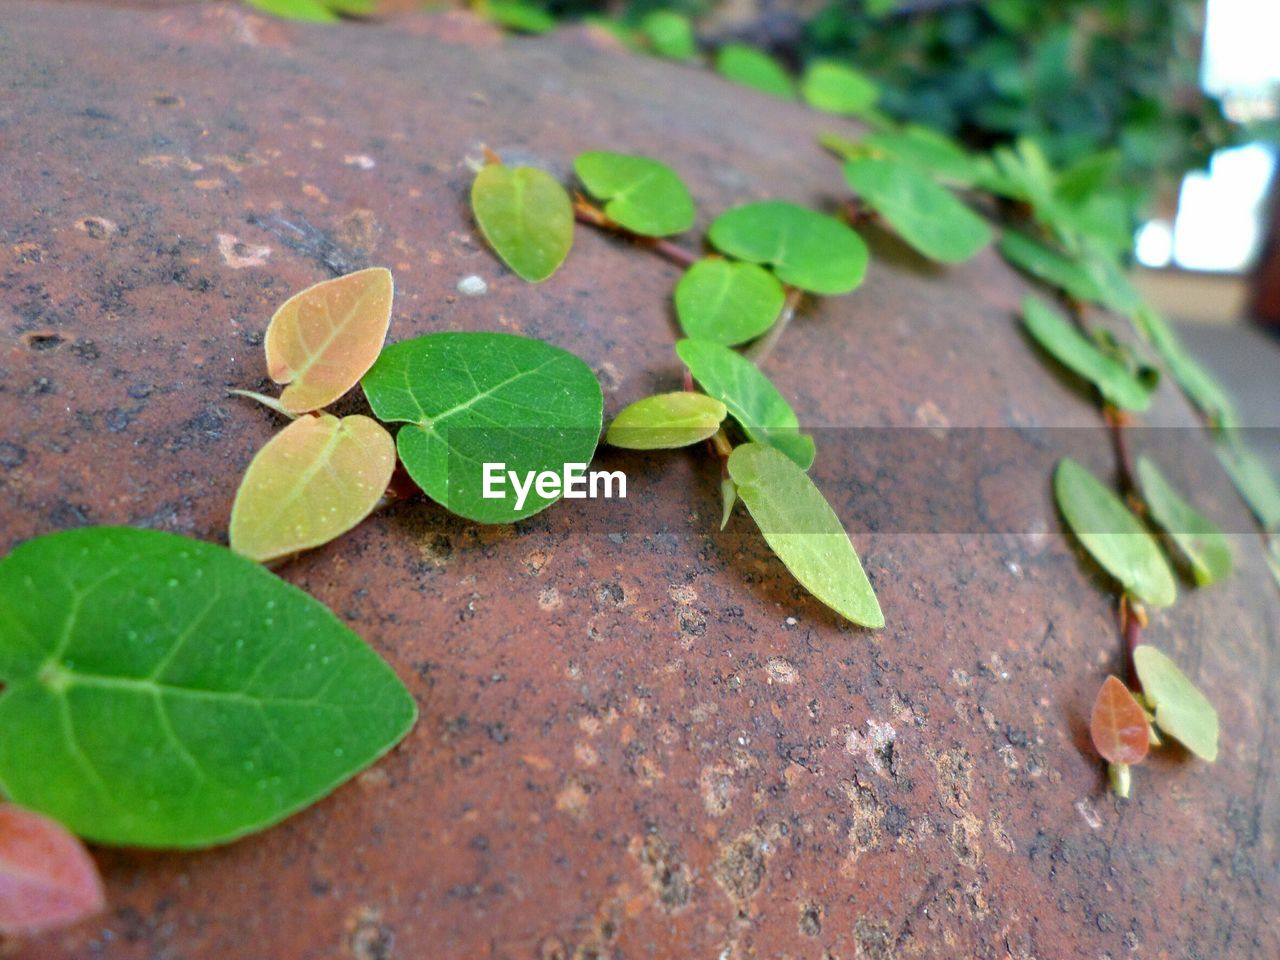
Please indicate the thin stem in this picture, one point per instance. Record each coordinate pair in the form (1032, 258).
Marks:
(1132, 619)
(585, 212)
(266, 401)
(1117, 420)
(760, 350)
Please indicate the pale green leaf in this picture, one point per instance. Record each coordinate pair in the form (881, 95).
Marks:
(802, 529)
(163, 692)
(1044, 263)
(751, 68)
(1114, 537)
(1252, 478)
(804, 248)
(836, 88)
(1119, 386)
(1182, 711)
(521, 17)
(1200, 541)
(313, 481)
(925, 215)
(314, 11)
(666, 421)
(670, 34)
(929, 151)
(1198, 384)
(526, 216)
(643, 195)
(727, 302)
(749, 396)
(468, 399)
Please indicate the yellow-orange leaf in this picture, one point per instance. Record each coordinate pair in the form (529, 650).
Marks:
(323, 340)
(313, 481)
(1119, 726)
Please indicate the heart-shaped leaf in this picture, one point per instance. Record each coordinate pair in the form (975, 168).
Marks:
(666, 421)
(1118, 385)
(471, 399)
(802, 529)
(163, 692)
(1200, 541)
(1044, 263)
(749, 396)
(751, 68)
(928, 151)
(1182, 711)
(805, 249)
(47, 878)
(1113, 535)
(726, 302)
(1118, 725)
(643, 195)
(322, 340)
(835, 88)
(670, 34)
(313, 481)
(526, 216)
(927, 216)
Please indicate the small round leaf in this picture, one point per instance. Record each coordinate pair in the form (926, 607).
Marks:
(670, 34)
(1200, 541)
(526, 216)
(726, 302)
(1118, 724)
(666, 421)
(1182, 711)
(806, 249)
(643, 195)
(835, 88)
(751, 68)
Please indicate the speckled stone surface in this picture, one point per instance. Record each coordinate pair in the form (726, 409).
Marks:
(639, 737)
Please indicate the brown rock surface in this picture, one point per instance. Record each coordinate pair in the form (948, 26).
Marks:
(639, 738)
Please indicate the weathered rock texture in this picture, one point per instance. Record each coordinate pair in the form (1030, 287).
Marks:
(639, 737)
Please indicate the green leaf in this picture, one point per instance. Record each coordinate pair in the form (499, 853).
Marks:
(751, 68)
(749, 396)
(1182, 711)
(802, 529)
(521, 17)
(1115, 292)
(1200, 541)
(729, 496)
(1118, 385)
(929, 151)
(313, 481)
(1198, 384)
(476, 398)
(1253, 481)
(805, 249)
(163, 692)
(726, 302)
(1044, 263)
(927, 216)
(835, 88)
(526, 216)
(666, 421)
(307, 10)
(1113, 535)
(670, 34)
(643, 195)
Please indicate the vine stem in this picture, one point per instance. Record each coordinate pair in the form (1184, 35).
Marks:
(1117, 420)
(1132, 619)
(761, 349)
(585, 212)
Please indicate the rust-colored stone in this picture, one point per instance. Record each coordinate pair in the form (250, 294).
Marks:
(639, 737)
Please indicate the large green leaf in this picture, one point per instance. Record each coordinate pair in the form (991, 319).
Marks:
(927, 216)
(643, 195)
(1044, 263)
(802, 529)
(1200, 541)
(1113, 535)
(1119, 386)
(666, 421)
(727, 302)
(475, 398)
(751, 68)
(526, 216)
(836, 88)
(1182, 711)
(751, 399)
(805, 249)
(164, 692)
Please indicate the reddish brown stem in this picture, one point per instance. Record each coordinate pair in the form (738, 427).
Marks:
(764, 346)
(1117, 420)
(593, 216)
(1132, 620)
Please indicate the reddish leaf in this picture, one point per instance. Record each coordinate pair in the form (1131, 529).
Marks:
(47, 878)
(1119, 725)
